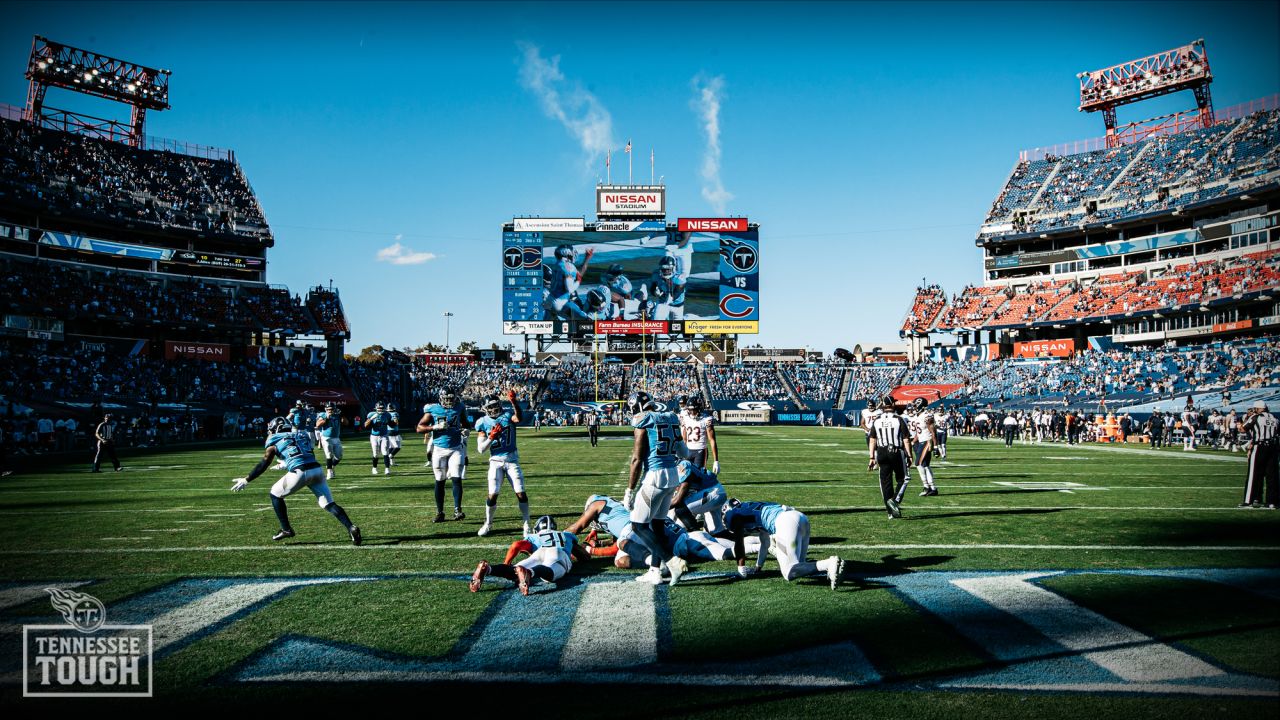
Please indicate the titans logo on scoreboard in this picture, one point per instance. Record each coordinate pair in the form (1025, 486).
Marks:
(739, 278)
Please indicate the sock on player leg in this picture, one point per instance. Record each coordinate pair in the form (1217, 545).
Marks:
(336, 510)
(490, 504)
(524, 510)
(439, 496)
(457, 493)
(282, 512)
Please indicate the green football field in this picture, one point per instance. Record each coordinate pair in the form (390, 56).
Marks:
(1044, 580)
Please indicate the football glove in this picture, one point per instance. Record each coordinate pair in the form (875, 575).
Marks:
(746, 571)
(240, 484)
(511, 395)
(495, 431)
(628, 501)
(715, 467)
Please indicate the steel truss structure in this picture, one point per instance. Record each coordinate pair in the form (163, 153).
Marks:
(1164, 73)
(55, 65)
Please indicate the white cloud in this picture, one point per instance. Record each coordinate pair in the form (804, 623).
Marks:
(567, 102)
(398, 254)
(708, 92)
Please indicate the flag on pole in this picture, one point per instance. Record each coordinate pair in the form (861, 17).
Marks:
(608, 170)
(628, 149)
(650, 165)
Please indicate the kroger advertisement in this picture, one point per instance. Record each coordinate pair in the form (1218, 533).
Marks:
(646, 279)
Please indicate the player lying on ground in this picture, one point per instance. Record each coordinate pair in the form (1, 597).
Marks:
(781, 526)
(551, 554)
(294, 448)
(613, 518)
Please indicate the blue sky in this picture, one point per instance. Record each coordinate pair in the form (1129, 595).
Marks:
(868, 140)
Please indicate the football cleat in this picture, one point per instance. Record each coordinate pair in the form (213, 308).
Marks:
(894, 510)
(526, 529)
(375, 471)
(523, 576)
(653, 577)
(459, 515)
(439, 518)
(929, 492)
(283, 534)
(835, 571)
(678, 568)
(385, 471)
(477, 577)
(328, 474)
(484, 530)
(356, 537)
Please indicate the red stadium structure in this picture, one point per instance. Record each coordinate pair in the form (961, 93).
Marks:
(1164, 73)
(56, 65)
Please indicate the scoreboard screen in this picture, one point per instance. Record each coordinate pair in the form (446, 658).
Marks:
(642, 281)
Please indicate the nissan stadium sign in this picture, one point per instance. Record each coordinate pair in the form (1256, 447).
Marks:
(631, 201)
(711, 225)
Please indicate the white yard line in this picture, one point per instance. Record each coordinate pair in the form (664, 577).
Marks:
(615, 626)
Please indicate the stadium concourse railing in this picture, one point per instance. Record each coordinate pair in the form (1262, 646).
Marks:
(1234, 112)
(181, 147)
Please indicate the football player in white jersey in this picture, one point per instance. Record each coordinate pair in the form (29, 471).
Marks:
(551, 554)
(697, 430)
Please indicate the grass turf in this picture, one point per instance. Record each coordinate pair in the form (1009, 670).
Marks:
(170, 517)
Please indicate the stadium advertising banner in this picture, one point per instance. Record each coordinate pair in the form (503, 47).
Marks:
(631, 202)
(444, 358)
(215, 352)
(1044, 348)
(548, 224)
(655, 281)
(800, 418)
(797, 355)
(745, 416)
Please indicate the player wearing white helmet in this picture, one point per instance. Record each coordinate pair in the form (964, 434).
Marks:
(496, 434)
(376, 423)
(697, 429)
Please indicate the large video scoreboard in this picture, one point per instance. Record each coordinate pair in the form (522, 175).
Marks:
(701, 275)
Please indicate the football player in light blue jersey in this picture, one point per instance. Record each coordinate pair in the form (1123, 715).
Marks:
(700, 495)
(565, 279)
(613, 516)
(696, 545)
(788, 530)
(329, 425)
(653, 458)
(446, 421)
(393, 433)
(295, 449)
(665, 292)
(496, 433)
(551, 554)
(596, 302)
(376, 423)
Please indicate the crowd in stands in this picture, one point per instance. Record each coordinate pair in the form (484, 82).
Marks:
(665, 380)
(429, 380)
(973, 306)
(66, 291)
(872, 382)
(1156, 174)
(578, 381)
(326, 308)
(79, 175)
(759, 381)
(489, 378)
(929, 302)
(819, 383)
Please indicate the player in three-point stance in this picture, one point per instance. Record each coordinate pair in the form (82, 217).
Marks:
(329, 427)
(788, 531)
(700, 496)
(653, 458)
(303, 471)
(376, 423)
(496, 433)
(551, 554)
(446, 421)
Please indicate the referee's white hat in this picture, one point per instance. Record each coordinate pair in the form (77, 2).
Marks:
(1259, 405)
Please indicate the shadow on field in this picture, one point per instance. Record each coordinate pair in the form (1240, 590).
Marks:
(1018, 511)
(859, 572)
(1008, 491)
(1247, 527)
(736, 483)
(842, 511)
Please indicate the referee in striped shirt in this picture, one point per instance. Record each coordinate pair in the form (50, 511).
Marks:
(890, 450)
(106, 437)
(1264, 457)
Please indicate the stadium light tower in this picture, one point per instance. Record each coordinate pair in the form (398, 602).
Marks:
(447, 315)
(53, 64)
(1182, 68)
